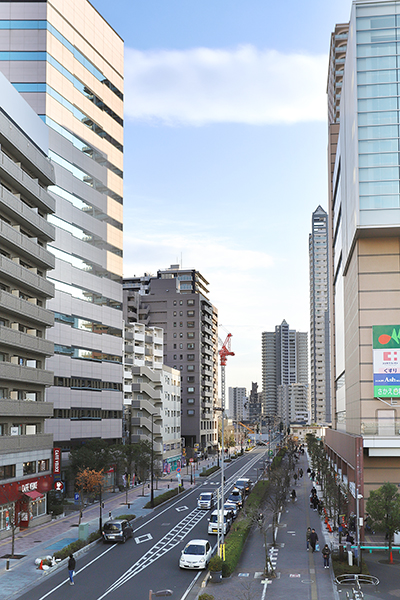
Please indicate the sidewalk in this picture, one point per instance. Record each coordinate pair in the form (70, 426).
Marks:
(300, 574)
(38, 542)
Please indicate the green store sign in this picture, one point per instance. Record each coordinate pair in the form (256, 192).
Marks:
(385, 336)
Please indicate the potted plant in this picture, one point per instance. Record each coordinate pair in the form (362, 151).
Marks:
(215, 568)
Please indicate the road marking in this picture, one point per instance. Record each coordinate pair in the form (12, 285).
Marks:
(294, 575)
(146, 537)
(181, 508)
(258, 574)
(243, 574)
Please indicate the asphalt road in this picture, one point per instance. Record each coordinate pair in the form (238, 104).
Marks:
(151, 559)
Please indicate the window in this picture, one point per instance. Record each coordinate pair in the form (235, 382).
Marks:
(190, 324)
(174, 302)
(174, 323)
(190, 313)
(190, 356)
(174, 335)
(28, 468)
(180, 323)
(175, 356)
(190, 334)
(43, 465)
(180, 302)
(190, 390)
(190, 379)
(190, 400)
(181, 356)
(181, 346)
(190, 346)
(190, 367)
(190, 412)
(181, 335)
(174, 313)
(174, 346)
(190, 302)
(181, 313)
(7, 471)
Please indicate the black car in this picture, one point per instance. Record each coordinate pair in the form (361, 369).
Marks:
(117, 530)
(244, 484)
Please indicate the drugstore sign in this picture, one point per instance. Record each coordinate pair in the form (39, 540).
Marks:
(386, 360)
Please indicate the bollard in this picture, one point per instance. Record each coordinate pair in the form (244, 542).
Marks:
(129, 504)
(8, 564)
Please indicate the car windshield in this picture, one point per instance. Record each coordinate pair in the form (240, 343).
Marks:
(112, 527)
(214, 519)
(205, 497)
(194, 549)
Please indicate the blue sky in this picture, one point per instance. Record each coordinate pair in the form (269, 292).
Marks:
(225, 152)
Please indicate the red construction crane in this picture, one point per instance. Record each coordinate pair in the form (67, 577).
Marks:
(226, 350)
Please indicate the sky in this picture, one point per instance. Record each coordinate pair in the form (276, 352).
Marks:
(226, 152)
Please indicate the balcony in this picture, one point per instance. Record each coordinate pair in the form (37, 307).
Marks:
(381, 427)
(25, 408)
(20, 443)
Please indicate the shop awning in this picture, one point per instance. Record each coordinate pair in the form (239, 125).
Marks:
(33, 495)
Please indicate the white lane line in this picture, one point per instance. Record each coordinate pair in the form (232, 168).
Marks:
(181, 508)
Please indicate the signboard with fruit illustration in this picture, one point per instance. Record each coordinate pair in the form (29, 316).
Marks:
(386, 351)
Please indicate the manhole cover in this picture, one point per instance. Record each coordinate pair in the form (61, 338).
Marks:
(17, 556)
(307, 581)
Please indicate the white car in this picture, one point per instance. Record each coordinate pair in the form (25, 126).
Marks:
(213, 524)
(205, 501)
(232, 508)
(196, 555)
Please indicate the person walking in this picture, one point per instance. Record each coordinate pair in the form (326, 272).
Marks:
(313, 539)
(325, 553)
(71, 569)
(308, 533)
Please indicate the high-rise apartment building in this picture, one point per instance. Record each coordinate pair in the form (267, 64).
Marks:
(238, 403)
(364, 223)
(67, 63)
(319, 318)
(176, 300)
(152, 395)
(26, 450)
(284, 362)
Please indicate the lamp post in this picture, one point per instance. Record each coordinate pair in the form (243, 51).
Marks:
(152, 461)
(358, 498)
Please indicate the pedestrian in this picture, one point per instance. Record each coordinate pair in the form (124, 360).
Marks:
(313, 539)
(301, 473)
(325, 553)
(315, 502)
(312, 475)
(71, 569)
(308, 532)
(295, 478)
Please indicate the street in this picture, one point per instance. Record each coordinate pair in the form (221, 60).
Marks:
(150, 559)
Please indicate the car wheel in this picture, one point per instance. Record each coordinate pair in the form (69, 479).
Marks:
(123, 539)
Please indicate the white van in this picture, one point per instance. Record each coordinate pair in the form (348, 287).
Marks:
(205, 501)
(213, 522)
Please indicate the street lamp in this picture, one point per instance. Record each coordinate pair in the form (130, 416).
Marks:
(152, 461)
(358, 498)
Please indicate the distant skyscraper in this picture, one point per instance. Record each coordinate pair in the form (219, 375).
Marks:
(237, 403)
(319, 318)
(255, 400)
(67, 62)
(284, 362)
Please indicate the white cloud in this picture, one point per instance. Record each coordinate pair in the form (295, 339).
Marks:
(242, 85)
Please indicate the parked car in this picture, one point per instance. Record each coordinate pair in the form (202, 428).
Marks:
(245, 484)
(205, 500)
(195, 555)
(117, 530)
(236, 496)
(213, 524)
(232, 510)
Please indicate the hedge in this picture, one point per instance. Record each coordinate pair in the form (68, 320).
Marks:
(237, 536)
(210, 471)
(166, 496)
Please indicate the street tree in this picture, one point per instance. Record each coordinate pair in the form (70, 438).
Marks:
(276, 497)
(91, 482)
(383, 505)
(93, 455)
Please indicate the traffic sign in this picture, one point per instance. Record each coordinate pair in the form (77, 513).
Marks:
(191, 460)
(59, 486)
(270, 452)
(178, 470)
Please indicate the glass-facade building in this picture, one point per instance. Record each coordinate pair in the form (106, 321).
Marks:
(364, 230)
(67, 62)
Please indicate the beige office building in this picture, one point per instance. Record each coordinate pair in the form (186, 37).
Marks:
(364, 215)
(67, 62)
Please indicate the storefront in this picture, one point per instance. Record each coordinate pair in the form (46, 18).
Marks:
(23, 501)
(171, 464)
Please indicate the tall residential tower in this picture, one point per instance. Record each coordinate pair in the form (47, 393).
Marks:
(319, 318)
